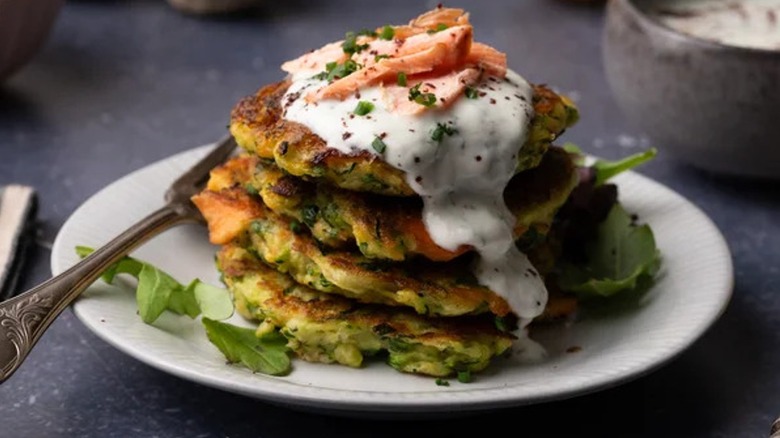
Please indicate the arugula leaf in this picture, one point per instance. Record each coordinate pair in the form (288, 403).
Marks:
(157, 291)
(608, 169)
(214, 302)
(266, 354)
(622, 256)
(603, 170)
(182, 300)
(153, 292)
(127, 265)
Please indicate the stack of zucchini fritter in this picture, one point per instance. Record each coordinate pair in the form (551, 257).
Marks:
(331, 248)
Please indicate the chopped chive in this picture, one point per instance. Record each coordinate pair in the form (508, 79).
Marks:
(363, 107)
(414, 91)
(439, 27)
(251, 190)
(295, 227)
(387, 33)
(334, 70)
(350, 45)
(379, 145)
(438, 133)
(424, 99)
(367, 32)
(464, 376)
(442, 382)
(472, 93)
(378, 58)
(401, 79)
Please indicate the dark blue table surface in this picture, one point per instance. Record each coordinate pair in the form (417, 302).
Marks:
(123, 84)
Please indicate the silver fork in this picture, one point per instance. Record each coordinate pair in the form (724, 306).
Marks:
(24, 318)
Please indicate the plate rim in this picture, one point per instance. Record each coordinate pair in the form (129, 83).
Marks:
(333, 401)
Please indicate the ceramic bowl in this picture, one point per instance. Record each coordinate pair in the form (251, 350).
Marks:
(712, 105)
(24, 26)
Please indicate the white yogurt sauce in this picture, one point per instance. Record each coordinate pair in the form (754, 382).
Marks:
(461, 179)
(746, 23)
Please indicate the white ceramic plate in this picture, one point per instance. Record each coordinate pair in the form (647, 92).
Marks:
(616, 345)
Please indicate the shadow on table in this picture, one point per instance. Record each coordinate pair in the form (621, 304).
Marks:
(759, 190)
(15, 105)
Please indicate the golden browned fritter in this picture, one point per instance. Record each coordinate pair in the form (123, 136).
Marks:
(328, 328)
(391, 228)
(258, 127)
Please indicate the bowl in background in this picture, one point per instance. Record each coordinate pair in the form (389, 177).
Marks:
(24, 26)
(713, 105)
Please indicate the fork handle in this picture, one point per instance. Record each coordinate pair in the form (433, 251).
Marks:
(24, 318)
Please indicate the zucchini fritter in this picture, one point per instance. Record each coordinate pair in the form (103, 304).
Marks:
(392, 228)
(442, 289)
(258, 127)
(327, 328)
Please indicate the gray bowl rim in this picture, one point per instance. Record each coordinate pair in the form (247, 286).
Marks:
(648, 22)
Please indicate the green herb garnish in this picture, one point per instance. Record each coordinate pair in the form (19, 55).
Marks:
(363, 107)
(604, 169)
(472, 93)
(464, 376)
(367, 32)
(183, 301)
(438, 133)
(441, 382)
(295, 227)
(379, 145)
(439, 27)
(350, 45)
(309, 214)
(387, 33)
(158, 291)
(622, 257)
(378, 58)
(334, 70)
(266, 354)
(153, 293)
(424, 99)
(608, 169)
(401, 79)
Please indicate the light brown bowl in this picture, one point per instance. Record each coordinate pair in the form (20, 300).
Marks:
(712, 105)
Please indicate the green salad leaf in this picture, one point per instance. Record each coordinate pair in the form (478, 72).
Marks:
(620, 258)
(125, 266)
(214, 302)
(266, 354)
(602, 169)
(182, 300)
(153, 292)
(157, 291)
(608, 169)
